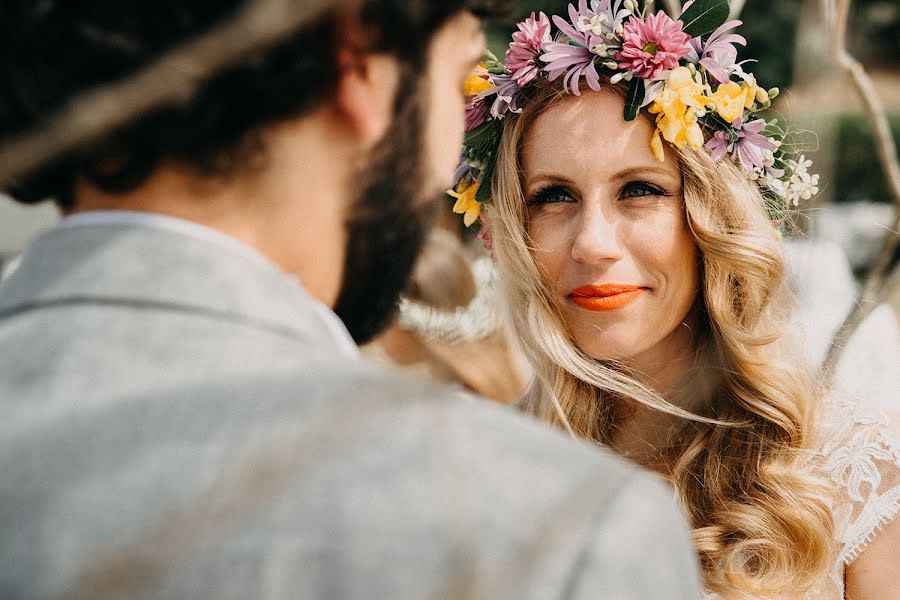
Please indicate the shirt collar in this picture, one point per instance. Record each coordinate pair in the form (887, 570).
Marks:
(201, 232)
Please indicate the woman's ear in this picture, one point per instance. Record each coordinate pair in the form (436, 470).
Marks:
(367, 82)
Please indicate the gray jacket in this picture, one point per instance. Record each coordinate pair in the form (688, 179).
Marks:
(179, 421)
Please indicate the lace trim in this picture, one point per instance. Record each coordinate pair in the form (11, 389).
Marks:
(859, 453)
(884, 516)
(859, 449)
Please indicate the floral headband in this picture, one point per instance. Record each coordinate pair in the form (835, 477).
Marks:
(684, 70)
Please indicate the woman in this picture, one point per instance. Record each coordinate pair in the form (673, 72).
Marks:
(630, 178)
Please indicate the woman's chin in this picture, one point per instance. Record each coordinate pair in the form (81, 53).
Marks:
(611, 351)
(617, 343)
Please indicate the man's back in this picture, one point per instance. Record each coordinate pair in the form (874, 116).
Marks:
(181, 420)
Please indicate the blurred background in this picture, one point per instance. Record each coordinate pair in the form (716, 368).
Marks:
(840, 231)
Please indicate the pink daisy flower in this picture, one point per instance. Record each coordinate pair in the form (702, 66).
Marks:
(526, 45)
(653, 45)
(477, 112)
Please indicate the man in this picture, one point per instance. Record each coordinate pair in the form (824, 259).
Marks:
(184, 415)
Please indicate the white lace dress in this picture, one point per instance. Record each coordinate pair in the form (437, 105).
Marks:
(860, 454)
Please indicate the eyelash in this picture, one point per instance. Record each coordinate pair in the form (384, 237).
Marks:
(549, 194)
(552, 194)
(652, 190)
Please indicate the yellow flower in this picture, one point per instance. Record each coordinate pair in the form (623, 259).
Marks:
(749, 88)
(477, 82)
(693, 135)
(657, 146)
(466, 204)
(680, 92)
(676, 107)
(730, 100)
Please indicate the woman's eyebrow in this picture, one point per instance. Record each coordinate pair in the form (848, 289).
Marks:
(548, 177)
(642, 170)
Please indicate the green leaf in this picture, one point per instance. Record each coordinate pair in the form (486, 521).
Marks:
(704, 16)
(634, 98)
(483, 194)
(482, 136)
(490, 56)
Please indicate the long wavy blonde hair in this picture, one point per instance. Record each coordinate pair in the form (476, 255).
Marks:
(762, 524)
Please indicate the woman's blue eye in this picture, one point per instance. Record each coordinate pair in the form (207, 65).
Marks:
(639, 189)
(550, 195)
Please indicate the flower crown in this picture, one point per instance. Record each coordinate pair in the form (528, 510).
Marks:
(684, 70)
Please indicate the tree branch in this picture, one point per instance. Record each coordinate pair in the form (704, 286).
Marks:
(176, 75)
(874, 287)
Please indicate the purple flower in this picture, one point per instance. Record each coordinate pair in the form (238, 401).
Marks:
(574, 61)
(593, 32)
(717, 53)
(653, 88)
(653, 45)
(577, 57)
(477, 112)
(507, 93)
(463, 170)
(526, 45)
(604, 19)
(748, 148)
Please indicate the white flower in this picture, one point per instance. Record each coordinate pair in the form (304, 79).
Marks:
(802, 185)
(776, 185)
(594, 24)
(601, 50)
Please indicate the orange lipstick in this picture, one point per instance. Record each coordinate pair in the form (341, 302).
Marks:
(605, 297)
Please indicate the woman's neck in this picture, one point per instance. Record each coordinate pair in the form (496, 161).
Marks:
(678, 370)
(664, 366)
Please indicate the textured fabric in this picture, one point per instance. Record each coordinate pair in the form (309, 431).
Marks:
(125, 218)
(861, 455)
(859, 452)
(179, 422)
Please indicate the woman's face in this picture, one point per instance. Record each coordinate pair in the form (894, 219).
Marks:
(608, 228)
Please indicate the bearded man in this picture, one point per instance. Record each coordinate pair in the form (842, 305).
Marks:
(185, 413)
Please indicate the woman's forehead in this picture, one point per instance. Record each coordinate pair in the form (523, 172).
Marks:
(589, 132)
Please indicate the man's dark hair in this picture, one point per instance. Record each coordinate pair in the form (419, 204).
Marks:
(53, 50)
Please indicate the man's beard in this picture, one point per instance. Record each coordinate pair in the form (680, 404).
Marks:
(387, 225)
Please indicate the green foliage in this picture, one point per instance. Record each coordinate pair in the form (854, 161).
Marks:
(704, 16)
(634, 98)
(857, 172)
(499, 32)
(770, 27)
(874, 37)
(483, 194)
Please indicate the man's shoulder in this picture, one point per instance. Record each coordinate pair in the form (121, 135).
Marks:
(358, 470)
(493, 445)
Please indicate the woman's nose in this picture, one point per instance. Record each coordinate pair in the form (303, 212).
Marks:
(596, 240)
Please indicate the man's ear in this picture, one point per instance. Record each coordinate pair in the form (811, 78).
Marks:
(367, 83)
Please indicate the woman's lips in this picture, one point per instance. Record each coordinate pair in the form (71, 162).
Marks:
(605, 297)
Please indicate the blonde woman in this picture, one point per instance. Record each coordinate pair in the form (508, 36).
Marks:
(633, 189)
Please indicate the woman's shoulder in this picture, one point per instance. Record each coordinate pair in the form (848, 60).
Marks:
(858, 446)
